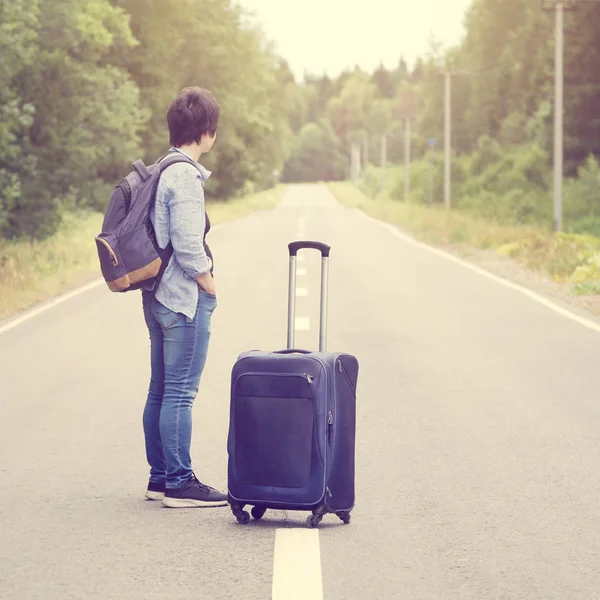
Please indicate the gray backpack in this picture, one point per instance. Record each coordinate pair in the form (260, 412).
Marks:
(130, 258)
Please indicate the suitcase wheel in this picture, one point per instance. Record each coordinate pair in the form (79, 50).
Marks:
(318, 513)
(345, 517)
(241, 515)
(313, 521)
(258, 512)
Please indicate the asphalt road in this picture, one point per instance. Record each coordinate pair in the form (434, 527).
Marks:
(478, 436)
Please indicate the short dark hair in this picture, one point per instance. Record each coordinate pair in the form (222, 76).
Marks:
(193, 113)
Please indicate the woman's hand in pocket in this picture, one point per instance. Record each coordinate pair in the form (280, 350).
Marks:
(207, 283)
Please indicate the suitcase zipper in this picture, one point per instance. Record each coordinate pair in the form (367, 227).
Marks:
(306, 376)
(111, 252)
(341, 370)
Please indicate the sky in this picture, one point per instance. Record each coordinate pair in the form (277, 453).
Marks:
(328, 36)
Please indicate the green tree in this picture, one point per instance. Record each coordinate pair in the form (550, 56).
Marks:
(582, 88)
(349, 111)
(316, 155)
(85, 110)
(248, 80)
(18, 43)
(384, 80)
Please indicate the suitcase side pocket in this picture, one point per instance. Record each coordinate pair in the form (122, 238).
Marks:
(341, 475)
(273, 425)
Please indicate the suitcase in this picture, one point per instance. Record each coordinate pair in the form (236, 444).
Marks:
(291, 440)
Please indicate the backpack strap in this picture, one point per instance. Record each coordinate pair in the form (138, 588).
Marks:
(176, 157)
(142, 169)
(163, 163)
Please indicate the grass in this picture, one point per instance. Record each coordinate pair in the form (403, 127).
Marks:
(35, 271)
(32, 271)
(565, 257)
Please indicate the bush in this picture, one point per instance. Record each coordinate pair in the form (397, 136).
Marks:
(421, 174)
(508, 185)
(504, 185)
(581, 199)
(566, 256)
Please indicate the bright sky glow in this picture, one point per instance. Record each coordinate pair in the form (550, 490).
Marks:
(328, 36)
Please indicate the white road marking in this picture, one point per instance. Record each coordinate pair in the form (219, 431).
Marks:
(509, 284)
(301, 231)
(47, 306)
(297, 565)
(302, 324)
(300, 257)
(301, 271)
(300, 291)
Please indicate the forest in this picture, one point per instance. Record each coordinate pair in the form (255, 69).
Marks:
(85, 86)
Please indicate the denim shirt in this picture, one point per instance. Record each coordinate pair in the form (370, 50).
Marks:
(179, 216)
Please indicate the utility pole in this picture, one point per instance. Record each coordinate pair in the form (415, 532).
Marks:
(431, 142)
(383, 162)
(355, 163)
(559, 7)
(558, 115)
(407, 139)
(407, 113)
(447, 142)
(448, 74)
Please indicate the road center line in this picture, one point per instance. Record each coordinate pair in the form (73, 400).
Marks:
(297, 565)
(300, 291)
(301, 271)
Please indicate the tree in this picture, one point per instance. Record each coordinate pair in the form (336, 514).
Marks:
(349, 111)
(317, 155)
(82, 112)
(250, 82)
(384, 81)
(18, 35)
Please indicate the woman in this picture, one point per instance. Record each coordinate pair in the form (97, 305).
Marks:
(178, 314)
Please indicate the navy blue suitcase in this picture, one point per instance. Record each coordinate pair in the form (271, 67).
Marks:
(291, 442)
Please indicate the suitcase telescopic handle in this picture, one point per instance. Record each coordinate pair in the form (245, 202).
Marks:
(294, 247)
(323, 248)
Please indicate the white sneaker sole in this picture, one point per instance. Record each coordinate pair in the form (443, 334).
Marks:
(190, 503)
(154, 495)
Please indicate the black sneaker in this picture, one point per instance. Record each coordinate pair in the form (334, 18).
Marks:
(155, 491)
(193, 493)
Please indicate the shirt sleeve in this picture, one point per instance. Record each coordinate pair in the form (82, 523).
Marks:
(187, 224)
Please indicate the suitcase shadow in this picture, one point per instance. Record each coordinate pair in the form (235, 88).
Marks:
(294, 523)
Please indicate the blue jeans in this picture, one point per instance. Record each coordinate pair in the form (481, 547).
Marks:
(178, 349)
